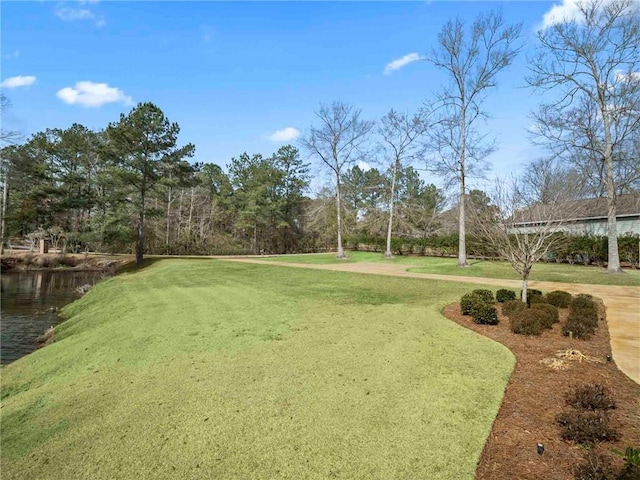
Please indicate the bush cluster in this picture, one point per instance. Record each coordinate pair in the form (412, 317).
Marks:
(587, 423)
(528, 321)
(596, 467)
(512, 306)
(558, 298)
(484, 314)
(504, 295)
(583, 318)
(486, 295)
(531, 292)
(479, 304)
(571, 249)
(586, 427)
(590, 397)
(551, 314)
(468, 301)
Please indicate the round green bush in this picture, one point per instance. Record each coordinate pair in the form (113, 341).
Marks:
(468, 301)
(484, 314)
(588, 316)
(578, 328)
(528, 322)
(551, 314)
(486, 295)
(512, 306)
(504, 295)
(531, 292)
(582, 302)
(558, 298)
(535, 299)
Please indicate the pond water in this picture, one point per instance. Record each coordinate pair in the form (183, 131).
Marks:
(30, 301)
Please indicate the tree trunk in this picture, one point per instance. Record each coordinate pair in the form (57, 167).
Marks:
(388, 253)
(340, 254)
(5, 199)
(613, 265)
(166, 235)
(462, 244)
(190, 211)
(140, 243)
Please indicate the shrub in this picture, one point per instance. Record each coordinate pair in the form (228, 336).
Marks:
(583, 302)
(468, 301)
(590, 397)
(512, 306)
(484, 314)
(486, 295)
(588, 316)
(536, 300)
(586, 427)
(631, 469)
(531, 292)
(558, 298)
(551, 314)
(527, 322)
(504, 295)
(578, 328)
(596, 467)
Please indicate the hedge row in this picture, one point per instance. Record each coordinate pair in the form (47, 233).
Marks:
(586, 249)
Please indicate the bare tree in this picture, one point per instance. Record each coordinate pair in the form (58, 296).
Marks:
(550, 180)
(593, 61)
(400, 135)
(518, 227)
(339, 141)
(471, 60)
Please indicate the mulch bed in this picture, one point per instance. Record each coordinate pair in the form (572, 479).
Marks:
(535, 396)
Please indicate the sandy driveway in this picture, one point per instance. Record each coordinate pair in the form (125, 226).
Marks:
(622, 303)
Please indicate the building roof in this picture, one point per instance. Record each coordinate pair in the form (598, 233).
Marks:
(580, 210)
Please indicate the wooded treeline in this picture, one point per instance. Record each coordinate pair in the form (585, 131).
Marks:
(89, 190)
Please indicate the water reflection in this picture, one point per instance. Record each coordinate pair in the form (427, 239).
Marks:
(29, 304)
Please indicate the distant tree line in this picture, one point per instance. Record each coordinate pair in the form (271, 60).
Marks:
(131, 187)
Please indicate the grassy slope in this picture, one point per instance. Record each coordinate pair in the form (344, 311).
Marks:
(209, 369)
(550, 272)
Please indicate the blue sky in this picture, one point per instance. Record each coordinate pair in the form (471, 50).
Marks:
(234, 74)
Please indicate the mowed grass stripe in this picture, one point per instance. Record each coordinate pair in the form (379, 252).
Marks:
(548, 272)
(245, 371)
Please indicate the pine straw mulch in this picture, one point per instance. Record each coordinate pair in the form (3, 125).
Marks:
(548, 366)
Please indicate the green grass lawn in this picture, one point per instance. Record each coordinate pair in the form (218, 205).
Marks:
(550, 272)
(213, 369)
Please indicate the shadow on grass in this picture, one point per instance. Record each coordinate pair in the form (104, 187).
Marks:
(132, 267)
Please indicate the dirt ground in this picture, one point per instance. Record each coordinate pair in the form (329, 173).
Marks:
(535, 396)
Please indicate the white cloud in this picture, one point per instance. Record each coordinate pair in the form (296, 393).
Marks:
(398, 63)
(566, 11)
(364, 166)
(71, 14)
(285, 135)
(90, 94)
(11, 56)
(627, 77)
(19, 81)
